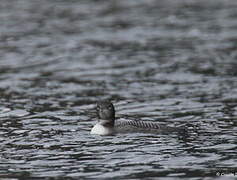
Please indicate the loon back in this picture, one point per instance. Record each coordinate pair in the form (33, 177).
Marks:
(144, 126)
(137, 124)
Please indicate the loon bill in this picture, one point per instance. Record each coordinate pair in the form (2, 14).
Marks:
(107, 125)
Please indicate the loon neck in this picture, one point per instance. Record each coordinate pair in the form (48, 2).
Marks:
(106, 123)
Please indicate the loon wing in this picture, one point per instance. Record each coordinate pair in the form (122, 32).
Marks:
(144, 126)
(138, 124)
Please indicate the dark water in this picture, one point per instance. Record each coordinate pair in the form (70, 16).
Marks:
(173, 62)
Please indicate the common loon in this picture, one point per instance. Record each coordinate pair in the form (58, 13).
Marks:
(107, 125)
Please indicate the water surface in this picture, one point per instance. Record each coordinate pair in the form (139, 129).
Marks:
(161, 61)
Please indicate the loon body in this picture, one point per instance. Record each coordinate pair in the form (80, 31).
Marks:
(107, 125)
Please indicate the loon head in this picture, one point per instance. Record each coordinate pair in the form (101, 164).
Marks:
(106, 117)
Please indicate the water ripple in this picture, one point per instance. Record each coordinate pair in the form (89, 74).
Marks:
(169, 63)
